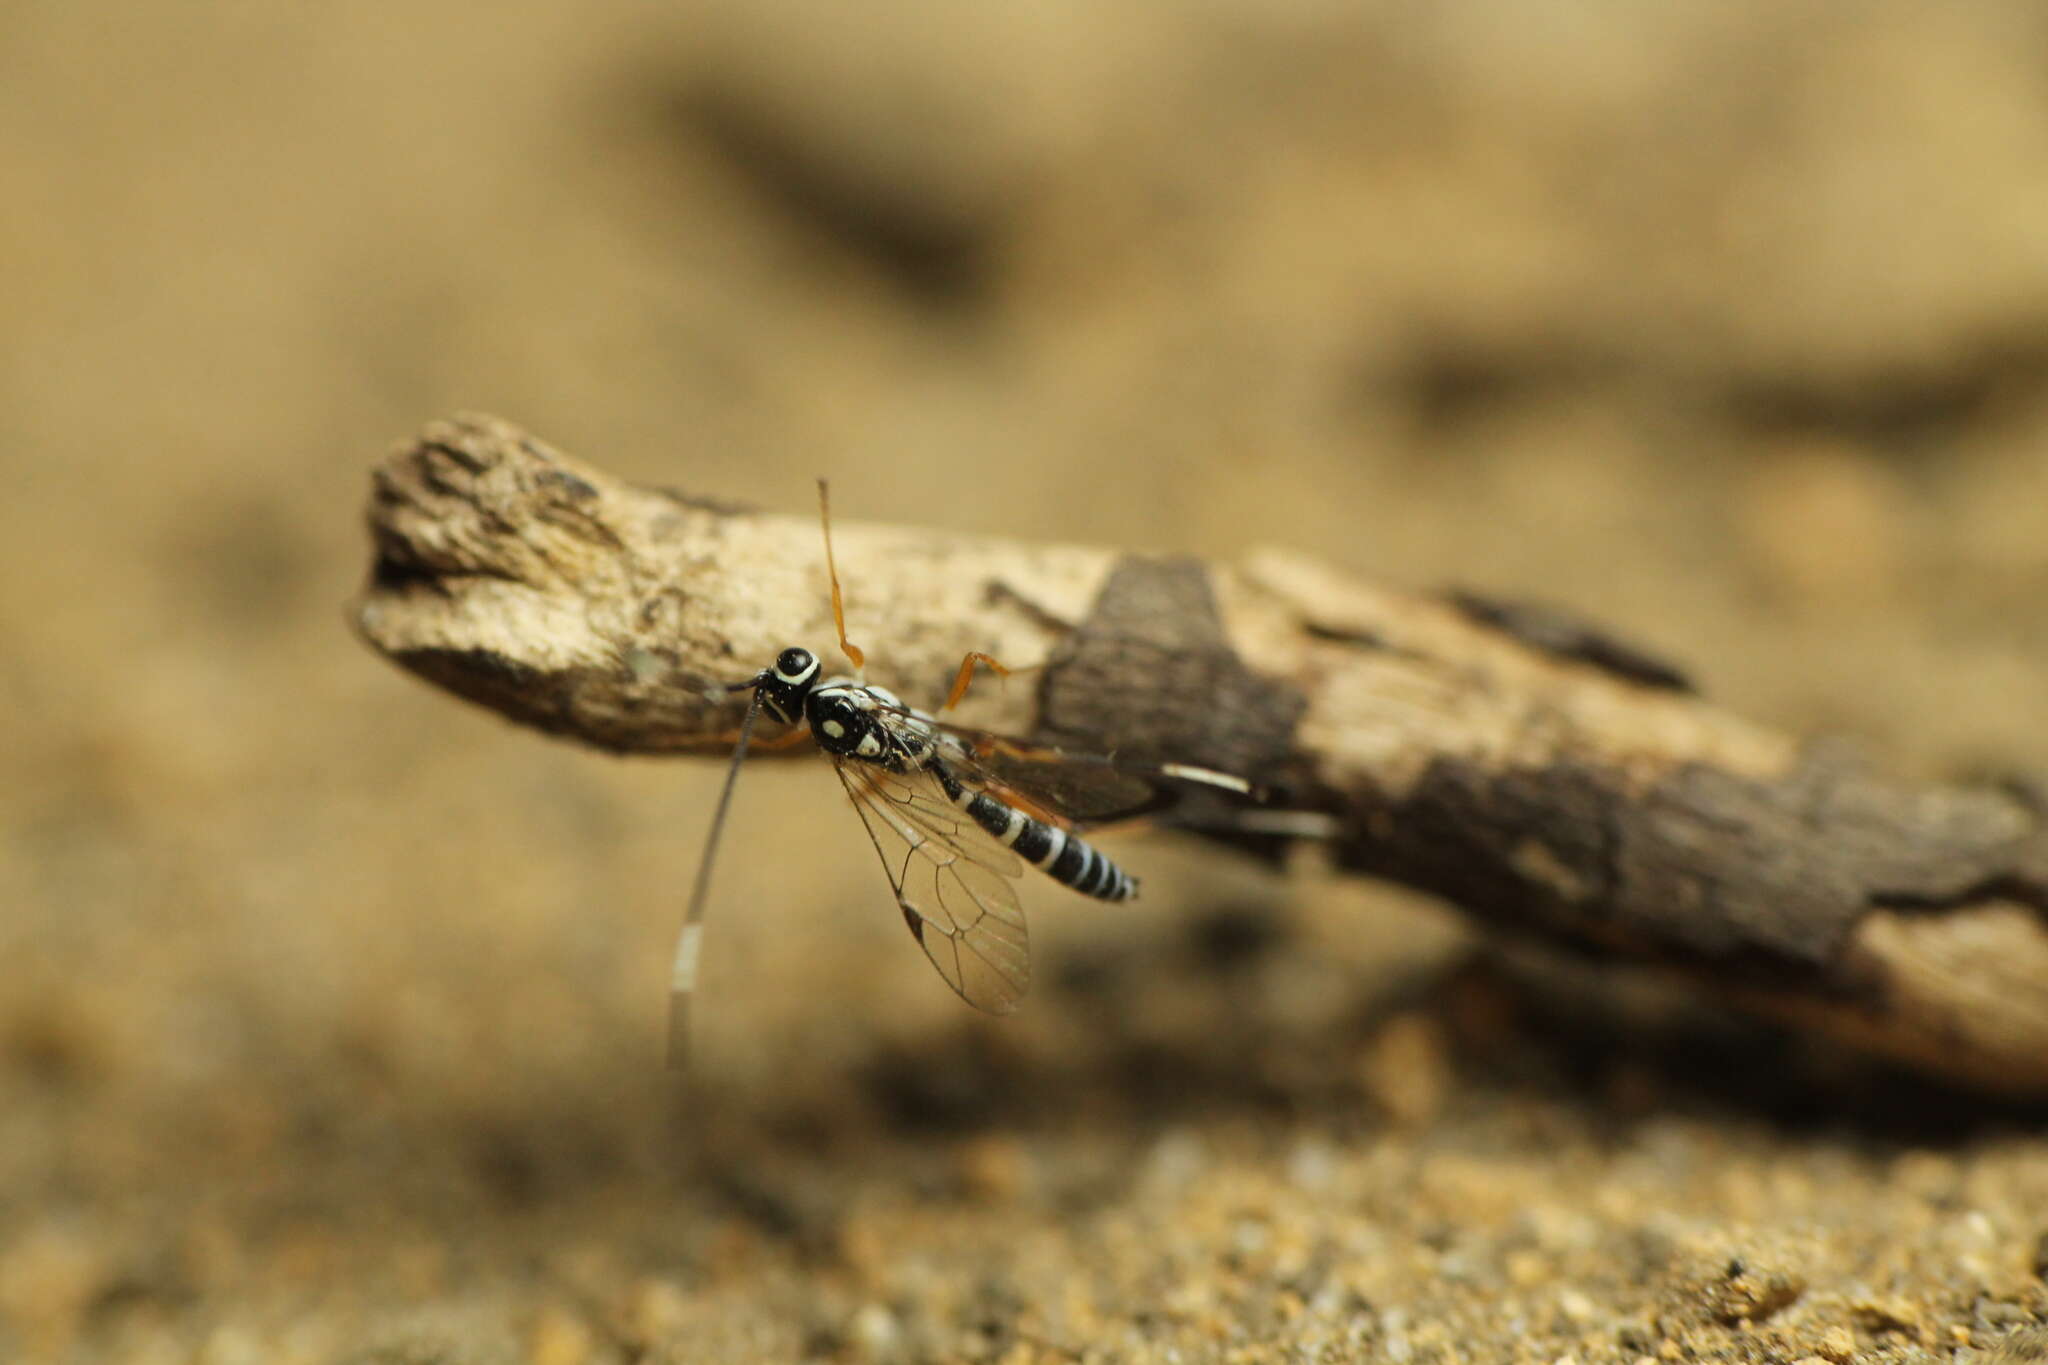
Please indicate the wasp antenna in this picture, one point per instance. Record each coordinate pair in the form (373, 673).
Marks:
(846, 646)
(682, 978)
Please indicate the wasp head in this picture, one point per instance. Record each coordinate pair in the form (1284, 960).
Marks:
(786, 682)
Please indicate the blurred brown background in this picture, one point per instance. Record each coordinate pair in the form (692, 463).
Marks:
(330, 1009)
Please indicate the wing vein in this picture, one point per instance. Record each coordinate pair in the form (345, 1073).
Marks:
(969, 923)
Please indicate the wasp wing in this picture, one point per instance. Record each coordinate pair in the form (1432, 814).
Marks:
(952, 882)
(1082, 789)
(1073, 789)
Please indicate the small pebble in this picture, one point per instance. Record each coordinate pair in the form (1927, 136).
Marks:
(558, 1338)
(1406, 1069)
(992, 1168)
(1825, 520)
(1312, 1165)
(1888, 1315)
(1527, 1268)
(226, 1345)
(1838, 1344)
(874, 1333)
(49, 1276)
(653, 1312)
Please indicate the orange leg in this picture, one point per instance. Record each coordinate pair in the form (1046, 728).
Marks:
(789, 739)
(966, 676)
(860, 662)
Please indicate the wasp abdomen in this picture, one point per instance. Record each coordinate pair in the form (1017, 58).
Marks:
(1066, 858)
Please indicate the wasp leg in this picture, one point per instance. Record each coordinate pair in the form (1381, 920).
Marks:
(966, 675)
(789, 739)
(846, 646)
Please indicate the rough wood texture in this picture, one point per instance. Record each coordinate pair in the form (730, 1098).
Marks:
(1547, 779)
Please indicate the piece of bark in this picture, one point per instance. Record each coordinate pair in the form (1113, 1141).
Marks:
(1548, 780)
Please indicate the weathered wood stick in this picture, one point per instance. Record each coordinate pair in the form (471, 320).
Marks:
(1542, 776)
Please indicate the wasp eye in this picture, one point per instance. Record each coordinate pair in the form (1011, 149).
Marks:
(794, 662)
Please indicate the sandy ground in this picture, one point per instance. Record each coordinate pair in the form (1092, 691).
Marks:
(330, 1008)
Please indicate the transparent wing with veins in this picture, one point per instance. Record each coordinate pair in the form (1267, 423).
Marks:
(953, 883)
(1078, 790)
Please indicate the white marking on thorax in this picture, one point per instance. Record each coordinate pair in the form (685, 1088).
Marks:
(833, 729)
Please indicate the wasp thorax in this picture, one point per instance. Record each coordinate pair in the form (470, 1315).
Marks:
(843, 727)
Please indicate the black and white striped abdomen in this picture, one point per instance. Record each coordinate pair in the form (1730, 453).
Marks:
(1066, 858)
